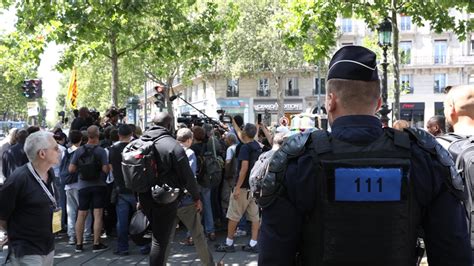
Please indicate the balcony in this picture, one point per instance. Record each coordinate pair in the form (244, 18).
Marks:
(438, 89)
(414, 61)
(292, 92)
(263, 93)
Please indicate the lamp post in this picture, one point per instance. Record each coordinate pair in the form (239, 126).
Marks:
(385, 41)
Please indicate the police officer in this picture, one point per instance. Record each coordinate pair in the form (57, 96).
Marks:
(358, 195)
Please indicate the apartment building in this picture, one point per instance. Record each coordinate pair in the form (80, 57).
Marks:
(429, 62)
(251, 95)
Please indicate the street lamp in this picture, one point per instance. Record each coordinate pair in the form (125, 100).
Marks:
(385, 41)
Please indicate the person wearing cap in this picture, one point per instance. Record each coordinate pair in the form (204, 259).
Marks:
(126, 200)
(358, 195)
(175, 172)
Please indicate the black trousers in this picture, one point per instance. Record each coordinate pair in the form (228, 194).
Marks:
(161, 218)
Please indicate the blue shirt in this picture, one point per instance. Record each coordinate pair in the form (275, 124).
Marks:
(444, 220)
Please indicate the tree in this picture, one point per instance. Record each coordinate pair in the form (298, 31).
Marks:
(256, 45)
(321, 15)
(19, 61)
(111, 29)
(189, 42)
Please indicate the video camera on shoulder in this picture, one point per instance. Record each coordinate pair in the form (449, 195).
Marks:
(223, 117)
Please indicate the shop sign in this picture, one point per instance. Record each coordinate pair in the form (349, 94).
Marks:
(274, 106)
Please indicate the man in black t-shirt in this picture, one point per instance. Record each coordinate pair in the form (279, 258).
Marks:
(126, 200)
(27, 203)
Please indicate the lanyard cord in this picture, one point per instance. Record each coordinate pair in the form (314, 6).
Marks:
(48, 193)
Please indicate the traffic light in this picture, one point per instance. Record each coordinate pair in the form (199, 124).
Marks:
(160, 96)
(32, 88)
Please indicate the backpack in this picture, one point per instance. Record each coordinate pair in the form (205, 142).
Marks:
(140, 165)
(88, 165)
(210, 167)
(259, 170)
(461, 149)
(64, 175)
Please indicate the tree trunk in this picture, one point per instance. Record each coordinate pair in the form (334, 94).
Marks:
(280, 97)
(396, 63)
(115, 74)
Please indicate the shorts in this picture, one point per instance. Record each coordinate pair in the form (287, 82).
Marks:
(245, 204)
(92, 197)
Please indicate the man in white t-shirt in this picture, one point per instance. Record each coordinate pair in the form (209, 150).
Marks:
(230, 172)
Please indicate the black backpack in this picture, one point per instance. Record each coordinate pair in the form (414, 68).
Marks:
(211, 166)
(88, 165)
(140, 165)
(64, 175)
(462, 150)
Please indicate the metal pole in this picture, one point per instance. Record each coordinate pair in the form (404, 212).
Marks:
(319, 87)
(384, 111)
(144, 108)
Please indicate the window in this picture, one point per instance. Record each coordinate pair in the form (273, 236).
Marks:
(471, 79)
(346, 25)
(440, 48)
(292, 87)
(405, 52)
(406, 85)
(190, 94)
(196, 90)
(439, 83)
(233, 88)
(471, 47)
(405, 23)
(316, 86)
(263, 88)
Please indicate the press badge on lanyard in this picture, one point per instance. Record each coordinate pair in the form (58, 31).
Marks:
(368, 184)
(57, 212)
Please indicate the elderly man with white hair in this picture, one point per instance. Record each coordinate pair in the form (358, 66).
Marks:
(27, 204)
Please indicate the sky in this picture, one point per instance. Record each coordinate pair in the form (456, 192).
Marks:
(46, 72)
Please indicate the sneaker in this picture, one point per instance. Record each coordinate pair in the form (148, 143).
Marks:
(79, 248)
(121, 253)
(99, 247)
(240, 233)
(225, 248)
(249, 248)
(212, 236)
(72, 241)
(188, 241)
(87, 240)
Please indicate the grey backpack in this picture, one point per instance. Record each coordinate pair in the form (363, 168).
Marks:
(462, 150)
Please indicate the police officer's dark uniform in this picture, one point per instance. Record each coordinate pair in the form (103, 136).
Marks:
(358, 195)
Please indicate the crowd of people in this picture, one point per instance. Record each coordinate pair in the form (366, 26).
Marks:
(309, 214)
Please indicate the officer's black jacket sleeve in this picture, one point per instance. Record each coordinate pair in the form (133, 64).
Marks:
(444, 222)
(280, 233)
(184, 172)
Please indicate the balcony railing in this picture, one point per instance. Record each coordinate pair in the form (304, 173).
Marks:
(438, 89)
(292, 92)
(323, 91)
(263, 93)
(427, 60)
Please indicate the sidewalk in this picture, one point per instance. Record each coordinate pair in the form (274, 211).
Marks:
(180, 254)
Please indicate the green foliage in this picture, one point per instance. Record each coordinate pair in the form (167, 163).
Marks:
(19, 61)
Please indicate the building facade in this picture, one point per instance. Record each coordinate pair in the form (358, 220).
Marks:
(429, 62)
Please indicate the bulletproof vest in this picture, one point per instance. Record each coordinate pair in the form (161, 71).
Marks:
(365, 212)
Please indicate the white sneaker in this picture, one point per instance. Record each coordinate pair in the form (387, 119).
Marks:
(240, 233)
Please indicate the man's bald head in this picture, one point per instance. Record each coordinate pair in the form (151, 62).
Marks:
(459, 104)
(162, 119)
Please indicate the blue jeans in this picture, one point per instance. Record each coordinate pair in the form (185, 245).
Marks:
(207, 210)
(126, 203)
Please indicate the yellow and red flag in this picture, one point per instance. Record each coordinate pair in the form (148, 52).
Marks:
(71, 97)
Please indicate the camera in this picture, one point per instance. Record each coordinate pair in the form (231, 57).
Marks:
(223, 117)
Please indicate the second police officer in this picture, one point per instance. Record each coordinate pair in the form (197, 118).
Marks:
(360, 194)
